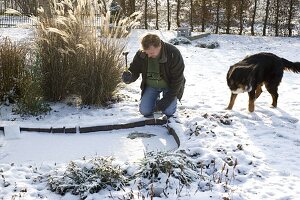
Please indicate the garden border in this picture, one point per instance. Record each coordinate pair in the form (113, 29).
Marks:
(89, 129)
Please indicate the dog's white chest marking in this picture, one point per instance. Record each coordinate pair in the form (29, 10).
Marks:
(238, 91)
(242, 90)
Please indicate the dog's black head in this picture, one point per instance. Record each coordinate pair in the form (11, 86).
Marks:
(240, 79)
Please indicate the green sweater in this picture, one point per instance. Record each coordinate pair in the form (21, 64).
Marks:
(154, 78)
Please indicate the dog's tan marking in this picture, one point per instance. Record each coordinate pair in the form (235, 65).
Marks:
(251, 105)
(274, 103)
(232, 100)
(258, 91)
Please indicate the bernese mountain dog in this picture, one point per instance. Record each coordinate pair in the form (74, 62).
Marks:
(254, 71)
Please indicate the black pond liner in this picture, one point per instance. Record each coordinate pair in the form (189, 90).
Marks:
(89, 129)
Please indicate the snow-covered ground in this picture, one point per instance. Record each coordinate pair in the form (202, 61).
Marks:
(265, 144)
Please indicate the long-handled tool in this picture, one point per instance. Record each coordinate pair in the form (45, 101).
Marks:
(125, 53)
(126, 74)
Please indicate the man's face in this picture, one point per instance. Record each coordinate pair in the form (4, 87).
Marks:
(153, 52)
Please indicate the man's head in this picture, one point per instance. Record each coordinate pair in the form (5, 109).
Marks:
(151, 45)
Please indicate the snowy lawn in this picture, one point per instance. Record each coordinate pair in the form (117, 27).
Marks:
(261, 150)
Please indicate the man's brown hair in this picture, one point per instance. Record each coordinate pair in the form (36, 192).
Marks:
(150, 40)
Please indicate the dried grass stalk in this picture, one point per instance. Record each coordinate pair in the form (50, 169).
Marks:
(78, 57)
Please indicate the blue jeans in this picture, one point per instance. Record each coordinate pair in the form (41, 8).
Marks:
(148, 102)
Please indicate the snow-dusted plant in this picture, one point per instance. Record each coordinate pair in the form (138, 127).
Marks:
(168, 169)
(77, 56)
(87, 177)
(208, 45)
(179, 40)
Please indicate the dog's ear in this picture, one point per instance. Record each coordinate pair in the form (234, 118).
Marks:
(230, 71)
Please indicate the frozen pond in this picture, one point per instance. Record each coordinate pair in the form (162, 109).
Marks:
(125, 145)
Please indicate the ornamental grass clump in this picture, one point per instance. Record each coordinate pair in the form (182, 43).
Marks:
(31, 101)
(12, 69)
(79, 56)
(20, 78)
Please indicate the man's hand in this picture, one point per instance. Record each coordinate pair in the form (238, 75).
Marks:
(126, 77)
(164, 103)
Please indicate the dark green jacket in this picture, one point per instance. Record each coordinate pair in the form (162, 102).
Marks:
(171, 68)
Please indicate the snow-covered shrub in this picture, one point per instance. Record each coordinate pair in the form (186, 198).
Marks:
(78, 57)
(179, 40)
(158, 174)
(222, 119)
(208, 45)
(167, 169)
(87, 177)
(162, 172)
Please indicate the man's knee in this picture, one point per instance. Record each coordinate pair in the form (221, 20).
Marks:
(169, 111)
(146, 111)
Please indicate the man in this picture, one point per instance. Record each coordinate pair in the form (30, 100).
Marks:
(161, 66)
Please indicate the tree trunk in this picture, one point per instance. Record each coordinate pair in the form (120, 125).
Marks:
(123, 6)
(203, 15)
(168, 14)
(156, 11)
(241, 16)
(291, 11)
(266, 17)
(253, 17)
(178, 13)
(218, 16)
(131, 7)
(145, 13)
(191, 15)
(46, 6)
(277, 18)
(228, 11)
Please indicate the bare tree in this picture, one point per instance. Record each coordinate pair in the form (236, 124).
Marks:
(218, 16)
(123, 6)
(145, 14)
(277, 9)
(27, 7)
(131, 6)
(46, 5)
(228, 14)
(290, 16)
(203, 15)
(168, 15)
(156, 13)
(178, 13)
(191, 15)
(267, 10)
(253, 17)
(241, 13)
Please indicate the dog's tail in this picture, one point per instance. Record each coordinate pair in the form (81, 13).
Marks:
(291, 66)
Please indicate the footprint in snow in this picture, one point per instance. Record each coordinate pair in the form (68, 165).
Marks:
(289, 119)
